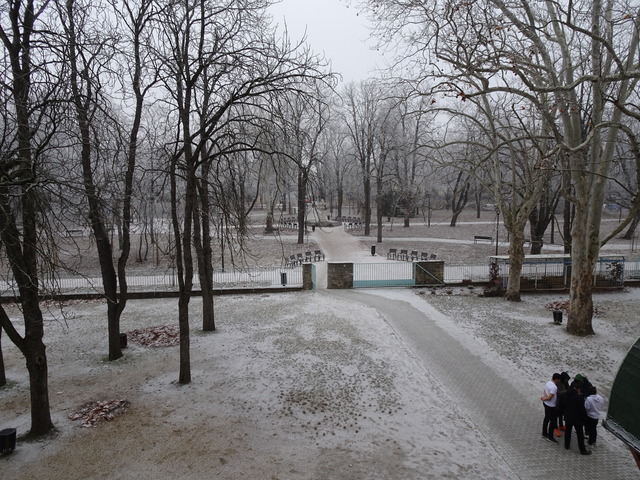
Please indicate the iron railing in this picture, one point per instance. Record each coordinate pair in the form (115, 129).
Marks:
(168, 281)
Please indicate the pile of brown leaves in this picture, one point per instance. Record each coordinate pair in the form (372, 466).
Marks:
(97, 412)
(564, 306)
(162, 336)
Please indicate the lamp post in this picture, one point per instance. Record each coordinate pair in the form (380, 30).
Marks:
(222, 241)
(497, 227)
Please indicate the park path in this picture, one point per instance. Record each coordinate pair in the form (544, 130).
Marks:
(508, 416)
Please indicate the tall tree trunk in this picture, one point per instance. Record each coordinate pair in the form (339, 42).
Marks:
(379, 196)
(631, 231)
(202, 241)
(367, 203)
(516, 257)
(585, 234)
(269, 228)
(184, 258)
(3, 374)
(23, 260)
(83, 98)
(22, 247)
(460, 197)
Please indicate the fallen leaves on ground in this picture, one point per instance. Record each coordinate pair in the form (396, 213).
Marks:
(97, 412)
(161, 336)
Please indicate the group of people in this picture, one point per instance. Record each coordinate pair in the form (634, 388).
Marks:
(571, 406)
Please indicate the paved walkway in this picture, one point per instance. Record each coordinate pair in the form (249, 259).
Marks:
(511, 418)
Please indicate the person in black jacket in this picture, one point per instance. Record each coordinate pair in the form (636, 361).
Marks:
(572, 404)
(563, 386)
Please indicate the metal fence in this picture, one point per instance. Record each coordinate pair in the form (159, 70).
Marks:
(248, 278)
(547, 275)
(535, 276)
(632, 270)
(458, 272)
(389, 274)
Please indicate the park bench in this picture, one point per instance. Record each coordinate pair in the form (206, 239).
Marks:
(292, 262)
(391, 254)
(403, 255)
(308, 256)
(318, 255)
(477, 238)
(424, 256)
(414, 255)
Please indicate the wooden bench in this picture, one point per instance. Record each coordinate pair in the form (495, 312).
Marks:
(482, 237)
(391, 254)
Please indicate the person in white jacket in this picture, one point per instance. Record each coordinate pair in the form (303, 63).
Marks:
(593, 404)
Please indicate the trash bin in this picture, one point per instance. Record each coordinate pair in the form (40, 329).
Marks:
(373, 250)
(313, 228)
(557, 316)
(7, 440)
(283, 278)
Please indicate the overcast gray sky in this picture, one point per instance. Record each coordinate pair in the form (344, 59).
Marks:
(336, 30)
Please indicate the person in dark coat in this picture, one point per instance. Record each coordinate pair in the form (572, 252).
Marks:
(563, 386)
(572, 404)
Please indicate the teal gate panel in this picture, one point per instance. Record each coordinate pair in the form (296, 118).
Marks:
(390, 274)
(314, 284)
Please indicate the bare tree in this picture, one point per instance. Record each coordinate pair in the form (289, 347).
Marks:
(301, 120)
(24, 115)
(362, 106)
(92, 53)
(219, 56)
(575, 63)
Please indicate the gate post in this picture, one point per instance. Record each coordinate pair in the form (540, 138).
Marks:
(429, 273)
(340, 275)
(307, 276)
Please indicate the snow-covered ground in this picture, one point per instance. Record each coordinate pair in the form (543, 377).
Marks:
(297, 386)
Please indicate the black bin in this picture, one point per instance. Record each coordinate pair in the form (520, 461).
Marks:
(557, 316)
(373, 250)
(7, 440)
(283, 278)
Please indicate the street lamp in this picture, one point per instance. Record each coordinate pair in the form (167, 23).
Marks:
(222, 241)
(497, 227)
